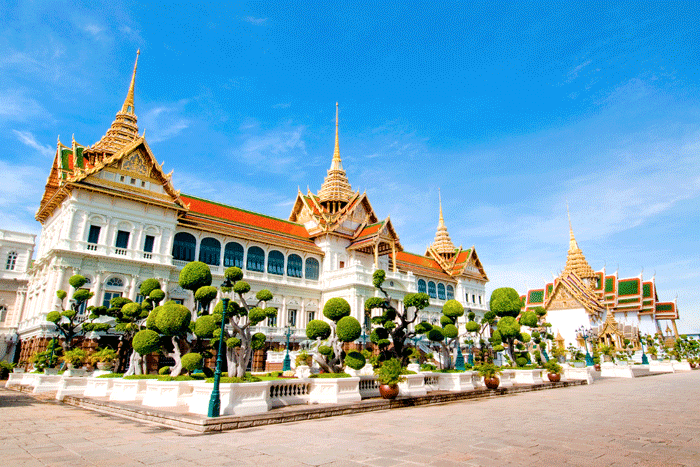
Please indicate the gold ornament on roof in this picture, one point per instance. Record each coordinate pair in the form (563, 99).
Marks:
(575, 260)
(336, 190)
(124, 129)
(442, 244)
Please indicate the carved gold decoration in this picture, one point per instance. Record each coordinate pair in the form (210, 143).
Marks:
(336, 189)
(134, 162)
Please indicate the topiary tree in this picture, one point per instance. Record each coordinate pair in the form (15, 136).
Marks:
(172, 321)
(192, 362)
(65, 320)
(448, 334)
(505, 301)
(242, 342)
(392, 330)
(330, 337)
(196, 277)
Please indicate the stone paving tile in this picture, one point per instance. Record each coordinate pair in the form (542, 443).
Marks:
(612, 422)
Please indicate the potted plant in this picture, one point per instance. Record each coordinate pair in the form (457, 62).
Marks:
(389, 375)
(103, 358)
(554, 371)
(303, 358)
(559, 353)
(653, 352)
(74, 358)
(490, 373)
(608, 352)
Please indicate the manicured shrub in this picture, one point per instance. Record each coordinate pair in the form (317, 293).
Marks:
(445, 320)
(521, 361)
(148, 286)
(233, 274)
(435, 334)
(336, 308)
(53, 317)
(156, 295)
(472, 326)
(529, 319)
(192, 361)
(318, 329)
(233, 342)
(146, 341)
(453, 309)
(348, 329)
(81, 295)
(257, 315)
(204, 326)
(164, 371)
(241, 287)
(206, 294)
(173, 319)
(264, 295)
(505, 301)
(258, 341)
(450, 331)
(195, 275)
(151, 320)
(131, 310)
(355, 360)
(77, 281)
(325, 350)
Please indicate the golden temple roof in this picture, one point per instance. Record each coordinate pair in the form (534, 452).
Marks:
(124, 129)
(336, 187)
(442, 244)
(575, 260)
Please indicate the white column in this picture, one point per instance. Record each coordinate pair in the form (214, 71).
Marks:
(131, 289)
(97, 290)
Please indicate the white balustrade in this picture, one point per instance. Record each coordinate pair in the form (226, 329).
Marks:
(369, 387)
(414, 385)
(71, 386)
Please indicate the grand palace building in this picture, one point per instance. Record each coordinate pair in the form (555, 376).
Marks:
(110, 213)
(610, 309)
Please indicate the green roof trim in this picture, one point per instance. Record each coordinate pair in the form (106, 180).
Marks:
(550, 287)
(647, 290)
(80, 162)
(628, 287)
(609, 284)
(65, 158)
(664, 307)
(536, 296)
(628, 300)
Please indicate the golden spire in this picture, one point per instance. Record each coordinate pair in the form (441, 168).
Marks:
(124, 129)
(575, 260)
(336, 189)
(442, 243)
(128, 106)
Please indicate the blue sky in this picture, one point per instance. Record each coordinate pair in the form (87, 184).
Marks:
(510, 110)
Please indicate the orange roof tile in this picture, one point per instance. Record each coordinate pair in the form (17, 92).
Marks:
(240, 216)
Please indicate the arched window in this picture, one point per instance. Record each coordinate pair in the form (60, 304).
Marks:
(184, 246)
(311, 269)
(450, 292)
(431, 289)
(113, 286)
(421, 286)
(114, 282)
(3, 313)
(441, 291)
(210, 251)
(256, 259)
(11, 260)
(294, 265)
(233, 255)
(275, 263)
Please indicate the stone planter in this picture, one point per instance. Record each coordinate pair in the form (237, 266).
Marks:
(50, 371)
(414, 385)
(507, 377)
(98, 387)
(335, 390)
(527, 376)
(236, 398)
(18, 370)
(128, 389)
(455, 381)
(554, 377)
(165, 393)
(71, 386)
(104, 366)
(388, 392)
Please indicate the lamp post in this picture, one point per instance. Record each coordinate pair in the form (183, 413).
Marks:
(459, 360)
(645, 360)
(287, 363)
(585, 335)
(215, 399)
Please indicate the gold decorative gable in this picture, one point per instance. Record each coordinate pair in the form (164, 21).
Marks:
(135, 162)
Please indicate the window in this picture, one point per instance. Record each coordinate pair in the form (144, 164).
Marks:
(431, 289)
(83, 307)
(294, 266)
(312, 316)
(122, 239)
(473, 298)
(341, 265)
(256, 259)
(184, 246)
(479, 299)
(272, 321)
(421, 286)
(148, 243)
(179, 301)
(94, 235)
(109, 296)
(210, 251)
(233, 255)
(293, 318)
(311, 269)
(275, 263)
(114, 282)
(11, 261)
(3, 313)
(441, 291)
(450, 292)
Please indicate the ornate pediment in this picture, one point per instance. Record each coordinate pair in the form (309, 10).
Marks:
(136, 163)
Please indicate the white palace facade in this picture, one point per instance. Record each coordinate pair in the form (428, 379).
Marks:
(111, 214)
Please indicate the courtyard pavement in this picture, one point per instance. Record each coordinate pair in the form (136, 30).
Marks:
(651, 421)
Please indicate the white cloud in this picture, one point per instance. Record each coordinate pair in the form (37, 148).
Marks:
(94, 29)
(276, 150)
(17, 107)
(28, 138)
(254, 20)
(20, 193)
(164, 122)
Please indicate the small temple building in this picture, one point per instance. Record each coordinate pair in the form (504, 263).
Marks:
(609, 308)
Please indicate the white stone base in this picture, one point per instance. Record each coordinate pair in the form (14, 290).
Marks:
(661, 366)
(335, 390)
(165, 393)
(98, 387)
(455, 381)
(71, 386)
(506, 377)
(414, 385)
(128, 389)
(527, 376)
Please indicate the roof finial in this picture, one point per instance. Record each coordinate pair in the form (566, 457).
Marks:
(442, 221)
(128, 106)
(336, 163)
